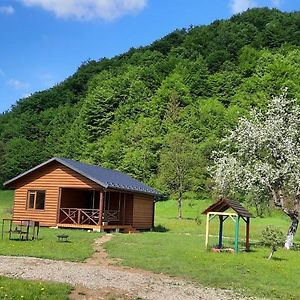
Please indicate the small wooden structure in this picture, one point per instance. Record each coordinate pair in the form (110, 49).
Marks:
(219, 209)
(23, 230)
(66, 193)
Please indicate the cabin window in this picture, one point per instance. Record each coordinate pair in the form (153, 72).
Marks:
(36, 199)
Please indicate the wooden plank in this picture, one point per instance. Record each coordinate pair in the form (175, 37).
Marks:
(142, 211)
(236, 240)
(101, 202)
(222, 213)
(207, 231)
(79, 226)
(248, 234)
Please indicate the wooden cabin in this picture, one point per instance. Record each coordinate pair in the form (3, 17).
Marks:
(65, 193)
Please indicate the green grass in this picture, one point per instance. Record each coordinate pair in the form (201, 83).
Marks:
(78, 248)
(180, 252)
(177, 252)
(32, 290)
(6, 203)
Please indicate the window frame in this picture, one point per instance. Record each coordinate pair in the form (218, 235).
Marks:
(35, 193)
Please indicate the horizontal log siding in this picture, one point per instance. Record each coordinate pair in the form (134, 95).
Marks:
(142, 211)
(128, 209)
(49, 178)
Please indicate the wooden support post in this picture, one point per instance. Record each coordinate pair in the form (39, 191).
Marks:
(220, 232)
(93, 200)
(79, 216)
(101, 207)
(236, 242)
(124, 208)
(248, 234)
(58, 206)
(207, 231)
(153, 213)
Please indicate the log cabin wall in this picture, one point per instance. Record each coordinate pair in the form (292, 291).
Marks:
(128, 207)
(142, 211)
(49, 178)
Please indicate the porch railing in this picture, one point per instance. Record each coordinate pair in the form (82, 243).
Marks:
(85, 216)
(111, 216)
(79, 216)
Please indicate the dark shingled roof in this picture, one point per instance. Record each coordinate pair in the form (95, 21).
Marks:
(106, 178)
(224, 204)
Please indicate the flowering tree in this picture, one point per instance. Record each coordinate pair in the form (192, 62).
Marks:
(262, 155)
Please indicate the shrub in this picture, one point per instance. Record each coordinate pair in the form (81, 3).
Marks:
(272, 237)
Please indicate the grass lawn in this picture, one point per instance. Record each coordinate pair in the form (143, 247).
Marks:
(180, 252)
(78, 248)
(32, 290)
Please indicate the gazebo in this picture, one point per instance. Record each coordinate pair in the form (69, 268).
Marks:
(239, 212)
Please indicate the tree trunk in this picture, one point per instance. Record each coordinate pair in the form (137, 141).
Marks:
(279, 201)
(271, 254)
(180, 205)
(292, 230)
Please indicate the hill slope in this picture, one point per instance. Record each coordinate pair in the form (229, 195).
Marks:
(133, 111)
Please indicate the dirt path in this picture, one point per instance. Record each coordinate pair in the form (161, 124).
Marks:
(97, 279)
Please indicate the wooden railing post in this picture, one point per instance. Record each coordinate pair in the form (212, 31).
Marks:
(78, 217)
(248, 234)
(101, 207)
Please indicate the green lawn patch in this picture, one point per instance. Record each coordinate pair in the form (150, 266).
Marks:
(180, 252)
(32, 290)
(78, 248)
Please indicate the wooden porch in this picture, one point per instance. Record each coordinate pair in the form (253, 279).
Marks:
(123, 228)
(95, 210)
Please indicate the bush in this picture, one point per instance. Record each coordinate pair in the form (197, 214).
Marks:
(272, 237)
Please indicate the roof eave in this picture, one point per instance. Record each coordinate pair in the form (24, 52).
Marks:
(156, 194)
(5, 184)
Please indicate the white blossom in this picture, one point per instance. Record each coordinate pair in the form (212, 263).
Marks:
(263, 153)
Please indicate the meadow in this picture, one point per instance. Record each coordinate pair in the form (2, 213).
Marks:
(177, 251)
(11, 289)
(78, 247)
(180, 252)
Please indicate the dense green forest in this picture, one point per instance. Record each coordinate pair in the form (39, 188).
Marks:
(155, 109)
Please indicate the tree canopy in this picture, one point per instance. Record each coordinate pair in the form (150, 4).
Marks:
(262, 157)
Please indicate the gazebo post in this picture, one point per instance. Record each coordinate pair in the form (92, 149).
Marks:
(236, 241)
(248, 234)
(207, 231)
(220, 231)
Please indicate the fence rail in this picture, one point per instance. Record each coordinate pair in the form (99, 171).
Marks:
(84, 216)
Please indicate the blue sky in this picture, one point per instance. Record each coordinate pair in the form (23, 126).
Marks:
(44, 41)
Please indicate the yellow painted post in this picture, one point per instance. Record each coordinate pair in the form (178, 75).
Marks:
(207, 231)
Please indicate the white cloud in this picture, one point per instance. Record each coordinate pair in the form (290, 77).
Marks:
(238, 6)
(18, 84)
(2, 73)
(89, 9)
(7, 10)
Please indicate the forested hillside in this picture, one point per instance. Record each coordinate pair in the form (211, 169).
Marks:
(150, 108)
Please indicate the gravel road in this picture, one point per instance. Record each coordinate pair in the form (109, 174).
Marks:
(141, 284)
